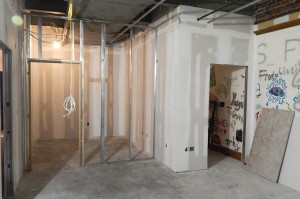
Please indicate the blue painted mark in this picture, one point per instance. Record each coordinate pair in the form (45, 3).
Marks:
(277, 91)
(295, 99)
(267, 104)
(277, 107)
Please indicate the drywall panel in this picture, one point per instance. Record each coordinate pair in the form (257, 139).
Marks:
(11, 36)
(269, 143)
(149, 92)
(278, 69)
(120, 60)
(50, 85)
(138, 88)
(203, 44)
(290, 169)
(167, 48)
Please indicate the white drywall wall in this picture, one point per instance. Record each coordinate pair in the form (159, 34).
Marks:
(185, 55)
(10, 35)
(278, 86)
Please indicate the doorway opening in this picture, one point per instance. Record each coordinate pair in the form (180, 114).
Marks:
(6, 121)
(53, 138)
(227, 112)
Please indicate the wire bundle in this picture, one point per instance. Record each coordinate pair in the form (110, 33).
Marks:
(69, 106)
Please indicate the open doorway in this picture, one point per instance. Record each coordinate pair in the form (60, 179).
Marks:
(53, 136)
(6, 122)
(227, 112)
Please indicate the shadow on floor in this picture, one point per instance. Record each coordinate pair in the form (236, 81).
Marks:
(116, 149)
(214, 158)
(48, 158)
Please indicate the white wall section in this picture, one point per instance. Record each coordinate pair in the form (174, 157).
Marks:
(278, 86)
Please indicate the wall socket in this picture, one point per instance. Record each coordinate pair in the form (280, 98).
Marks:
(189, 149)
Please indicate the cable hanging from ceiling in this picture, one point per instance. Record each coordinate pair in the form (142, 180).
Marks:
(69, 103)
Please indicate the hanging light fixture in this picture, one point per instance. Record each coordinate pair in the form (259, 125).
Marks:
(56, 44)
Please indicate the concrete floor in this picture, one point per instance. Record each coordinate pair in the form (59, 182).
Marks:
(116, 149)
(56, 175)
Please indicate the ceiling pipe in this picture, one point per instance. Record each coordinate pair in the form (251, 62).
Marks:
(234, 11)
(143, 25)
(43, 12)
(167, 4)
(214, 11)
(137, 21)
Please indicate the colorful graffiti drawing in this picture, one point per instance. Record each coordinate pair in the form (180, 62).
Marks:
(277, 91)
(297, 103)
(257, 115)
(258, 106)
(233, 124)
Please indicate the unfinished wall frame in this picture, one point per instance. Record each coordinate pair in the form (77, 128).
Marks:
(26, 76)
(26, 87)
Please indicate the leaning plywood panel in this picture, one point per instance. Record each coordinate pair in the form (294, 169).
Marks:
(269, 143)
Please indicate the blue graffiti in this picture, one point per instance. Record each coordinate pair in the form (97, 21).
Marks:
(277, 91)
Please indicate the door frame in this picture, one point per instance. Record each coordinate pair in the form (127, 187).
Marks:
(7, 121)
(243, 155)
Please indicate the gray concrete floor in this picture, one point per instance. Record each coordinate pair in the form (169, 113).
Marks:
(56, 175)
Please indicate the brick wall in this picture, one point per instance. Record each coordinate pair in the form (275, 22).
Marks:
(271, 9)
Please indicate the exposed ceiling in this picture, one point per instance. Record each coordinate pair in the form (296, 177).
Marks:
(122, 11)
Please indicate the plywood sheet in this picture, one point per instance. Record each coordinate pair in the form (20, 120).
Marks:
(269, 143)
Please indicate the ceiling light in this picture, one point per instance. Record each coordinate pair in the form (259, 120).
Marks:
(56, 44)
(17, 20)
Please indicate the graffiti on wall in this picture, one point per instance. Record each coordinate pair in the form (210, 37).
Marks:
(230, 88)
(278, 73)
(233, 125)
(296, 80)
(229, 81)
(297, 103)
(258, 92)
(239, 135)
(237, 104)
(234, 143)
(276, 91)
(235, 115)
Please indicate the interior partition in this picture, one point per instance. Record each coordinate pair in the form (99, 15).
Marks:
(112, 86)
(128, 125)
